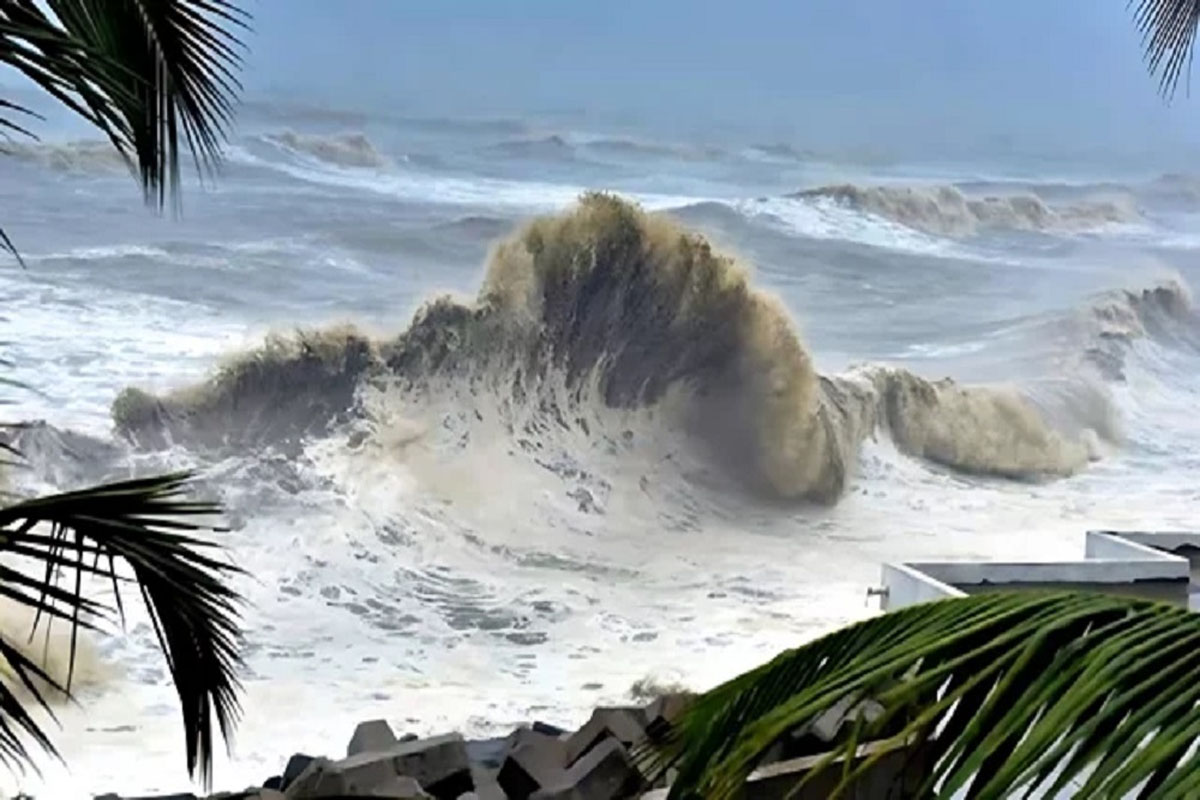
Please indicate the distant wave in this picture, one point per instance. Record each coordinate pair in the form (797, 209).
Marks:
(547, 148)
(946, 211)
(1175, 187)
(784, 152)
(607, 308)
(570, 147)
(506, 127)
(476, 226)
(84, 156)
(339, 149)
(635, 148)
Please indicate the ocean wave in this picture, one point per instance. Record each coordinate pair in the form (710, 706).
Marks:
(784, 152)
(476, 227)
(349, 149)
(608, 307)
(83, 156)
(49, 645)
(1117, 319)
(825, 220)
(545, 148)
(640, 148)
(946, 211)
(1175, 187)
(573, 147)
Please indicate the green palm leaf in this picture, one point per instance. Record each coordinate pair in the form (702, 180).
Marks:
(151, 527)
(1001, 694)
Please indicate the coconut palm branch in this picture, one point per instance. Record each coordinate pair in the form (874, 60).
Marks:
(1168, 29)
(1000, 694)
(156, 77)
(150, 527)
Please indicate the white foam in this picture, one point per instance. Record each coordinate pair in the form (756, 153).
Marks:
(671, 578)
(530, 196)
(826, 219)
(75, 343)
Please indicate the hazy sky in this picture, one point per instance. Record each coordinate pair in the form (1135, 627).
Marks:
(1058, 73)
(893, 76)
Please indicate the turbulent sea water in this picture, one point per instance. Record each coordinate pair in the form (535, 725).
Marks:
(494, 450)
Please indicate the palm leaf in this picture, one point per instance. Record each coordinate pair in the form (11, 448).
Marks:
(7, 246)
(1001, 694)
(1168, 29)
(154, 76)
(151, 527)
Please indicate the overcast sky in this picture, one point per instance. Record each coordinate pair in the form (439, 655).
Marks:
(1057, 72)
(1030, 75)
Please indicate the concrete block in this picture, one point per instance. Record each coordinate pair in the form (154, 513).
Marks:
(625, 725)
(533, 761)
(362, 775)
(604, 773)
(295, 765)
(826, 726)
(487, 752)
(897, 773)
(486, 785)
(439, 763)
(372, 736)
(662, 713)
(352, 777)
(548, 729)
(401, 787)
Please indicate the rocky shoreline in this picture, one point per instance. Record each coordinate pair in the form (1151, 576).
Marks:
(535, 762)
(602, 760)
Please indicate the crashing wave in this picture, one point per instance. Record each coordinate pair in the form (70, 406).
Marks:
(609, 307)
(1116, 319)
(339, 149)
(947, 211)
(85, 156)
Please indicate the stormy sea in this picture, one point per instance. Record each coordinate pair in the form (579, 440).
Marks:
(512, 419)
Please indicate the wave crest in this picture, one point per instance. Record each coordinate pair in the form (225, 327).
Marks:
(947, 211)
(84, 156)
(628, 311)
(351, 149)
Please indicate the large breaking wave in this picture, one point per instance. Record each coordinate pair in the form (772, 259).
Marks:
(606, 307)
(946, 211)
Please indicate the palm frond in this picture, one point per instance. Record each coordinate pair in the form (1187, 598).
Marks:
(998, 693)
(149, 525)
(7, 246)
(1168, 29)
(155, 76)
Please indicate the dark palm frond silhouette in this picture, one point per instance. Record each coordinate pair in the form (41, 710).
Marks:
(158, 79)
(1168, 29)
